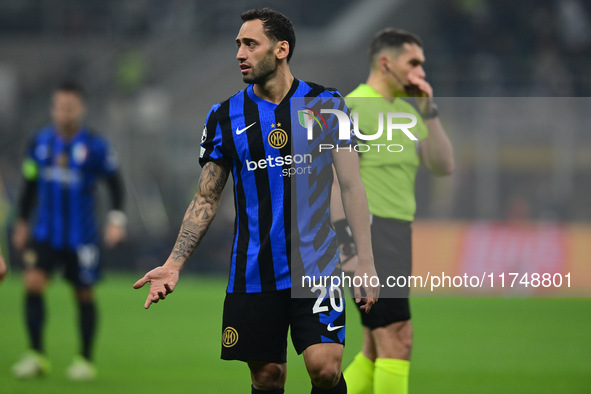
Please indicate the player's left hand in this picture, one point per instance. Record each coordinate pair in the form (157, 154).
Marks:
(367, 271)
(114, 235)
(162, 280)
(349, 264)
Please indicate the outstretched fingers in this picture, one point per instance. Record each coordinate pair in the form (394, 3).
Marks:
(140, 283)
(368, 299)
(357, 294)
(162, 283)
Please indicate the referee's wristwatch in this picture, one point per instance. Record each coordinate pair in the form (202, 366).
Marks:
(432, 113)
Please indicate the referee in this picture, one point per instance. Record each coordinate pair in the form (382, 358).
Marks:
(396, 72)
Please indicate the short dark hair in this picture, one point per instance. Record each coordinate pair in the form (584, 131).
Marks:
(391, 38)
(71, 87)
(277, 26)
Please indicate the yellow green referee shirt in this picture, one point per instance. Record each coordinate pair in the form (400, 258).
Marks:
(388, 177)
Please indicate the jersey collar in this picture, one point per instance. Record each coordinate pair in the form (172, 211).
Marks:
(79, 134)
(368, 91)
(259, 101)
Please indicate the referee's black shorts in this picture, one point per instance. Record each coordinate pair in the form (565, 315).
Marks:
(392, 250)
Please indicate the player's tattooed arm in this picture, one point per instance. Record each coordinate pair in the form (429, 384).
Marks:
(354, 201)
(197, 219)
(201, 211)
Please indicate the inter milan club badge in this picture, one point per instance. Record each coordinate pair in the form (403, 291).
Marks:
(79, 153)
(277, 137)
(62, 160)
(229, 337)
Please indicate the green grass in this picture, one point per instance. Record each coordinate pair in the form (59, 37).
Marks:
(461, 345)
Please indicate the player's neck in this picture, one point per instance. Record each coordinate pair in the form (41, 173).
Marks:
(276, 88)
(381, 86)
(68, 133)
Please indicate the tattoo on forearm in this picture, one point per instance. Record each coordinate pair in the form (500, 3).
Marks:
(186, 243)
(201, 211)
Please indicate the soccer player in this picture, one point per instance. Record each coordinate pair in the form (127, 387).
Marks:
(280, 225)
(3, 269)
(62, 165)
(396, 72)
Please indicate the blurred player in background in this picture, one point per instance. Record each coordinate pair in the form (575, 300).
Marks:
(3, 268)
(62, 165)
(259, 309)
(396, 59)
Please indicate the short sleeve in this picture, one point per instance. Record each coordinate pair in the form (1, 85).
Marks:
(420, 130)
(341, 105)
(423, 132)
(211, 139)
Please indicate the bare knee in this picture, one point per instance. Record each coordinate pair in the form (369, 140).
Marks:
(369, 346)
(35, 281)
(267, 376)
(394, 340)
(404, 334)
(323, 362)
(325, 376)
(84, 295)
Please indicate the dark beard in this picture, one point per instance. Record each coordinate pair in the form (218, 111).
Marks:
(263, 70)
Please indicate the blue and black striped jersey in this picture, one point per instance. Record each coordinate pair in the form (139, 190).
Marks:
(66, 173)
(282, 183)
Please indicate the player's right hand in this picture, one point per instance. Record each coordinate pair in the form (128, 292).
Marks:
(114, 235)
(162, 280)
(20, 235)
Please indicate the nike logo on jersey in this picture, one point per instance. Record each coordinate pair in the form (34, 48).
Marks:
(331, 328)
(240, 131)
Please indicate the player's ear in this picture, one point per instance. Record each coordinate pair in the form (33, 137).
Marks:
(82, 109)
(383, 64)
(282, 49)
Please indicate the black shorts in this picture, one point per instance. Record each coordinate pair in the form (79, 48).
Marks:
(255, 325)
(392, 250)
(81, 267)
